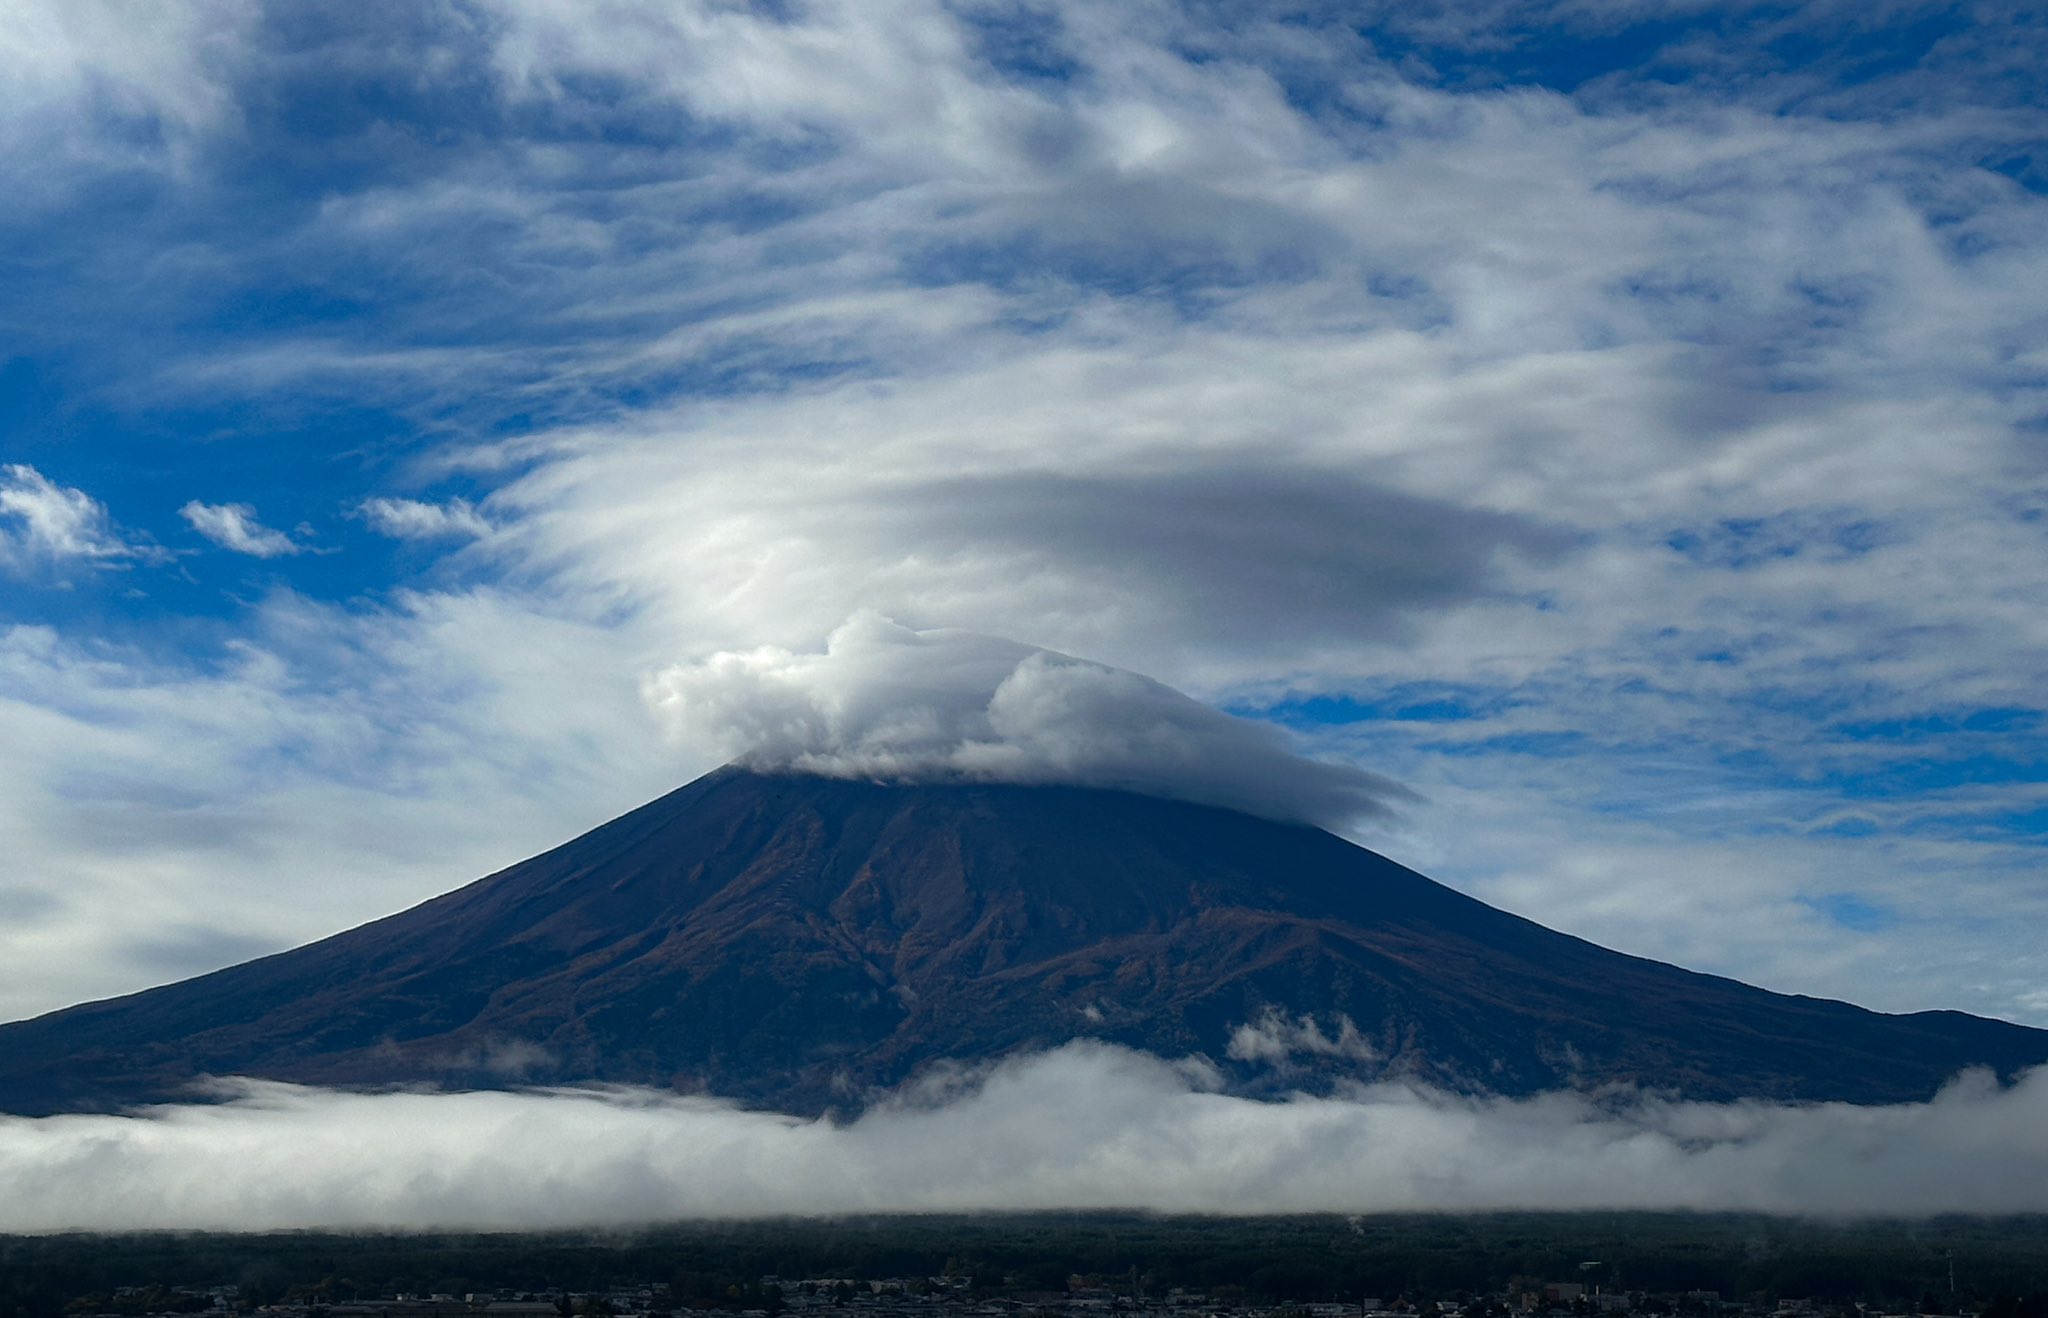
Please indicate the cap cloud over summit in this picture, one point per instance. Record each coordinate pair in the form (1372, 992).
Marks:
(892, 704)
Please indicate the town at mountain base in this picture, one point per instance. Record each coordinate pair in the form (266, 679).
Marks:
(806, 944)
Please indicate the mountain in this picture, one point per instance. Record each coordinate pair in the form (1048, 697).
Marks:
(798, 942)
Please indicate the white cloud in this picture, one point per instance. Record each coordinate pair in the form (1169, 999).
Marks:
(887, 703)
(44, 523)
(234, 526)
(162, 819)
(94, 85)
(414, 519)
(1086, 1126)
(1276, 1039)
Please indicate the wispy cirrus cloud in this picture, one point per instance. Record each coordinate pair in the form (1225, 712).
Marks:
(147, 93)
(164, 817)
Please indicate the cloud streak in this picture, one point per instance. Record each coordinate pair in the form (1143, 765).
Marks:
(887, 703)
(416, 519)
(42, 522)
(233, 526)
(1085, 1126)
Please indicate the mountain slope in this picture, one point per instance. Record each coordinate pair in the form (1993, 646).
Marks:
(797, 941)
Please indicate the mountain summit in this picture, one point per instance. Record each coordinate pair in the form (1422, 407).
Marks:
(801, 942)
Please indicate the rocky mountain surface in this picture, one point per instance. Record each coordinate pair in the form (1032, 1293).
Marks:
(801, 943)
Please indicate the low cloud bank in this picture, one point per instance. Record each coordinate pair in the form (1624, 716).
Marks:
(1084, 1126)
(888, 703)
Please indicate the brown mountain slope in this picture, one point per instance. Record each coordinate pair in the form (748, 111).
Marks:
(797, 942)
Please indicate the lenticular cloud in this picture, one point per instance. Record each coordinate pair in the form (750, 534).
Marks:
(887, 703)
(1084, 1126)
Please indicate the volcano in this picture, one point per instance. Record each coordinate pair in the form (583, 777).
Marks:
(805, 943)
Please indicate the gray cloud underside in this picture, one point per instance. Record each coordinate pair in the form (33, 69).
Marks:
(1084, 1126)
(1255, 558)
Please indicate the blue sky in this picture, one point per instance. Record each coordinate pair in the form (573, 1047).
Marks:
(1621, 424)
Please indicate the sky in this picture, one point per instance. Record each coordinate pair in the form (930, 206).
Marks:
(1590, 452)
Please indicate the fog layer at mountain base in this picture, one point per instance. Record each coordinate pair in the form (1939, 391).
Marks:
(1083, 1126)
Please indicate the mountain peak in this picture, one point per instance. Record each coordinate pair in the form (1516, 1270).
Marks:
(804, 942)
